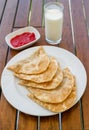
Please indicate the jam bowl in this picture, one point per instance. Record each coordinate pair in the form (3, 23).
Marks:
(22, 38)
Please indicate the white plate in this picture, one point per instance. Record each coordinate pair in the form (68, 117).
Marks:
(16, 95)
(20, 31)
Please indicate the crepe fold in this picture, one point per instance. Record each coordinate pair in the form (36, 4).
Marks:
(37, 63)
(57, 107)
(60, 93)
(42, 77)
(56, 80)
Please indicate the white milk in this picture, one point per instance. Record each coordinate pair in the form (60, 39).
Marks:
(53, 24)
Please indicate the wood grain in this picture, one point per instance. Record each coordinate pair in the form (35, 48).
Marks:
(5, 28)
(36, 13)
(2, 6)
(7, 115)
(7, 112)
(49, 123)
(27, 122)
(82, 46)
(22, 14)
(67, 39)
(86, 10)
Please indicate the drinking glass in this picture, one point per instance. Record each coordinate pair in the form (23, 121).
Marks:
(53, 12)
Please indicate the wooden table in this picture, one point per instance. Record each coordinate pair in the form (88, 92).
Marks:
(16, 14)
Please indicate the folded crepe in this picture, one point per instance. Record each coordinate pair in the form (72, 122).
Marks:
(60, 93)
(57, 79)
(57, 107)
(42, 77)
(37, 63)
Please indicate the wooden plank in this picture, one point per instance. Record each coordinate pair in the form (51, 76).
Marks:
(5, 28)
(27, 122)
(49, 123)
(2, 5)
(82, 49)
(67, 40)
(36, 13)
(71, 118)
(22, 13)
(86, 10)
(7, 113)
(67, 43)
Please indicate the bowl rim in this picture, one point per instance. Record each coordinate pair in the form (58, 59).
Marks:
(9, 36)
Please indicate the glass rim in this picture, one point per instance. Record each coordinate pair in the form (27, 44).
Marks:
(55, 3)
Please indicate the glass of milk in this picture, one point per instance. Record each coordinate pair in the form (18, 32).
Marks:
(53, 12)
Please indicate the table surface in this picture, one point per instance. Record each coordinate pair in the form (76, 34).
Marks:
(15, 14)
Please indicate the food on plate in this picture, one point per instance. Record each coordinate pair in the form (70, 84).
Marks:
(44, 76)
(48, 84)
(56, 80)
(57, 107)
(34, 64)
(59, 94)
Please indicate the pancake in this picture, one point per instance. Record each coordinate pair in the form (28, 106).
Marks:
(57, 107)
(48, 85)
(57, 79)
(60, 93)
(37, 63)
(43, 77)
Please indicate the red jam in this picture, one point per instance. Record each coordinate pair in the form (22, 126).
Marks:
(22, 39)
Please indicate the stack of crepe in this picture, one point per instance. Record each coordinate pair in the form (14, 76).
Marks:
(48, 85)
